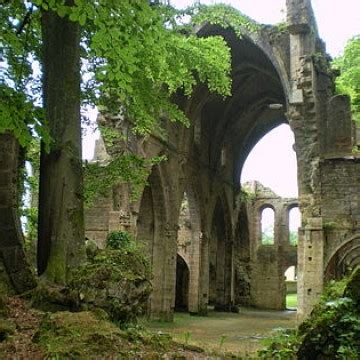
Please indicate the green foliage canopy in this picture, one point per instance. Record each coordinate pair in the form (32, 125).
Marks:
(349, 80)
(135, 57)
(138, 60)
(135, 54)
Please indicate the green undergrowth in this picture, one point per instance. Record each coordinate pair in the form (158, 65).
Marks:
(7, 328)
(84, 335)
(332, 331)
(27, 333)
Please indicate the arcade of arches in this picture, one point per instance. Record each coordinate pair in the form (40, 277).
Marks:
(202, 231)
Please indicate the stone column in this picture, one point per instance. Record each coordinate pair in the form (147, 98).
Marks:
(162, 300)
(311, 263)
(304, 117)
(194, 281)
(204, 273)
(169, 272)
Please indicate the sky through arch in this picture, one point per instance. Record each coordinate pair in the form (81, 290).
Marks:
(272, 161)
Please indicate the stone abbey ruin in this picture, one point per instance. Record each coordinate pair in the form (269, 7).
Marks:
(201, 231)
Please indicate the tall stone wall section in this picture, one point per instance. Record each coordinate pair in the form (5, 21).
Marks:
(269, 262)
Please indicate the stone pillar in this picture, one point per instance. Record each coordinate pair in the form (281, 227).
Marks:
(169, 272)
(194, 281)
(162, 300)
(304, 117)
(220, 275)
(228, 276)
(311, 263)
(204, 273)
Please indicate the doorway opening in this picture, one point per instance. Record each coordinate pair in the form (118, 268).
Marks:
(291, 288)
(182, 285)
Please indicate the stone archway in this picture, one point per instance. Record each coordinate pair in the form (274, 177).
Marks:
(344, 259)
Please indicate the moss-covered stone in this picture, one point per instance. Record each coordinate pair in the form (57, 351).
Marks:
(86, 335)
(79, 336)
(117, 281)
(7, 328)
(3, 306)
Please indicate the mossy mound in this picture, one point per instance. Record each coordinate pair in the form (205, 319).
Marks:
(33, 334)
(79, 335)
(3, 306)
(85, 335)
(116, 280)
(331, 332)
(7, 328)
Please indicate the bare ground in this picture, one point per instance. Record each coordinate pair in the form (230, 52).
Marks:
(242, 334)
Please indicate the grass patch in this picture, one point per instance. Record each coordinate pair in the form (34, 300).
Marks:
(291, 301)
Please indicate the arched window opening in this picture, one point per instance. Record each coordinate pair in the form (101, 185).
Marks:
(294, 224)
(291, 288)
(267, 226)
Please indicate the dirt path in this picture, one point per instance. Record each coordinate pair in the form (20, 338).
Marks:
(241, 333)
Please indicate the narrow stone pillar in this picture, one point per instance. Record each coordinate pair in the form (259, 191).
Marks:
(228, 276)
(311, 262)
(204, 274)
(169, 272)
(220, 275)
(162, 300)
(304, 113)
(194, 281)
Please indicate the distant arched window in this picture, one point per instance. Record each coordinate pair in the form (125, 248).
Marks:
(267, 226)
(294, 224)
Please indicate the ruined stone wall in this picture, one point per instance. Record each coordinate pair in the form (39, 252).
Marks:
(340, 184)
(268, 263)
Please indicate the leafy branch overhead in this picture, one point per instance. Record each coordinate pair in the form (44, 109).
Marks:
(349, 80)
(139, 61)
(135, 57)
(134, 54)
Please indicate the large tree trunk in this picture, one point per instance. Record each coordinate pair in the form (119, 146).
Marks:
(61, 218)
(18, 272)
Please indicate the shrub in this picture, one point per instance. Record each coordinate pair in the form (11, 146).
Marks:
(119, 240)
(331, 332)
